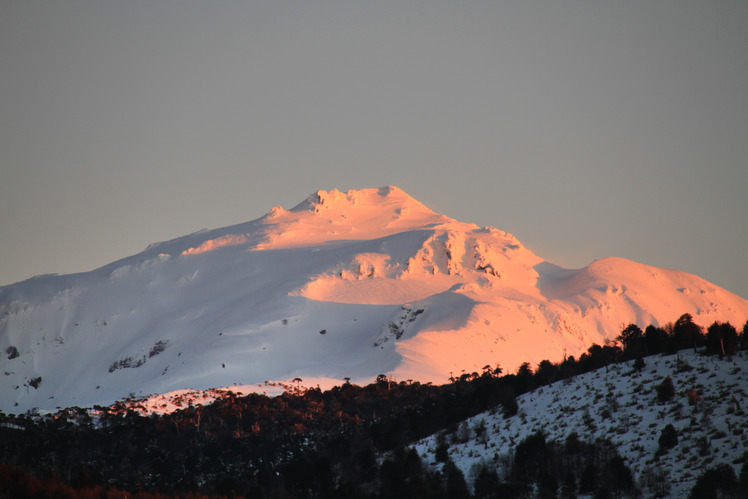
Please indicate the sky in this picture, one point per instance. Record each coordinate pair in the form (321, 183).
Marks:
(585, 128)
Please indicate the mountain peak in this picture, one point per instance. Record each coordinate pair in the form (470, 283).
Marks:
(327, 216)
(362, 198)
(323, 217)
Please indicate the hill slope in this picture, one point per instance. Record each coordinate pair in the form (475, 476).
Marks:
(621, 403)
(347, 284)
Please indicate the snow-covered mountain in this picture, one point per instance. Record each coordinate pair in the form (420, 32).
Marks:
(345, 285)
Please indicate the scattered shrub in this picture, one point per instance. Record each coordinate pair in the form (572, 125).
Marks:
(665, 390)
(668, 438)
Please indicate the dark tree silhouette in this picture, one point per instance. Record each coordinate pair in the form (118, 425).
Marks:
(618, 476)
(668, 438)
(547, 373)
(655, 340)
(632, 338)
(687, 334)
(525, 380)
(721, 339)
(455, 484)
(718, 479)
(486, 481)
(665, 390)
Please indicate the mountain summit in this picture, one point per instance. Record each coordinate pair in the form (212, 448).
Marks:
(344, 285)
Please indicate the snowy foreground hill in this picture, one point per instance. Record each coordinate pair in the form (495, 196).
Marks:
(621, 403)
(344, 285)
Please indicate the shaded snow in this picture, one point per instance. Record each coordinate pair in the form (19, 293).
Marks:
(621, 404)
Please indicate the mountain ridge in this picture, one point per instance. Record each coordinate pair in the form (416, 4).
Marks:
(344, 285)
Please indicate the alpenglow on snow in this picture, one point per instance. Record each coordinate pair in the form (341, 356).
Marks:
(344, 285)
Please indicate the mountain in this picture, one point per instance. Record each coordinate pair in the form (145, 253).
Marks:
(344, 285)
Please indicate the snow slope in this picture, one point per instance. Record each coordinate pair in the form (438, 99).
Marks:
(621, 404)
(345, 284)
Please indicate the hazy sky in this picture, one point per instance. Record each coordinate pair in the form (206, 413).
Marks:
(587, 129)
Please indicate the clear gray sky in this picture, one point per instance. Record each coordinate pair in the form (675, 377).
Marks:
(587, 129)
